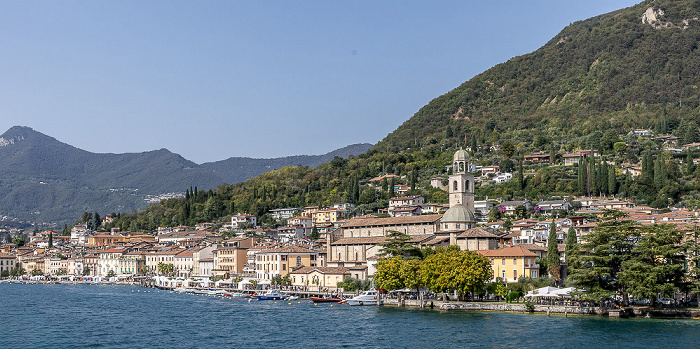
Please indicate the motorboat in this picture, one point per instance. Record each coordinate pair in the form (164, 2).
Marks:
(271, 295)
(364, 298)
(325, 299)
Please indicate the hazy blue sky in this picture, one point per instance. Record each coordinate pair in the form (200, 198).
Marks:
(215, 79)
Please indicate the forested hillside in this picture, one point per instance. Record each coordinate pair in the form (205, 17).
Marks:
(587, 88)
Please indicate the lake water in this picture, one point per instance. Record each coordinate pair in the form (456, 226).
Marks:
(92, 316)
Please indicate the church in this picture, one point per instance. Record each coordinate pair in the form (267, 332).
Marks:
(356, 243)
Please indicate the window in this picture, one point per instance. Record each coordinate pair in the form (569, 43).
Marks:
(515, 261)
(533, 274)
(284, 267)
(454, 185)
(298, 261)
(284, 258)
(503, 261)
(515, 274)
(503, 272)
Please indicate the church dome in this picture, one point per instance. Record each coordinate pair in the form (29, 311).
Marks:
(458, 214)
(461, 155)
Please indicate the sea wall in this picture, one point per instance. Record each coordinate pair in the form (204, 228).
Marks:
(547, 309)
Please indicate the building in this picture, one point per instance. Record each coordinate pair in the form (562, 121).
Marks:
(549, 207)
(511, 263)
(244, 220)
(319, 278)
(7, 263)
(280, 260)
(180, 236)
(405, 201)
(328, 215)
(284, 213)
(108, 260)
(537, 158)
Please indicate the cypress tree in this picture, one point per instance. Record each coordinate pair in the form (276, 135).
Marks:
(582, 176)
(689, 166)
(414, 175)
(521, 178)
(50, 239)
(572, 248)
(391, 188)
(603, 178)
(593, 177)
(612, 181)
(553, 252)
(659, 172)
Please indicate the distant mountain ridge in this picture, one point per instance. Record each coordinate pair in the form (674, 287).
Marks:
(238, 169)
(45, 180)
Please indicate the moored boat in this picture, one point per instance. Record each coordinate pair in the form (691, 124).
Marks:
(364, 298)
(271, 295)
(325, 299)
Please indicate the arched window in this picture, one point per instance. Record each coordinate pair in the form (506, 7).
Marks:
(454, 185)
(298, 261)
(466, 186)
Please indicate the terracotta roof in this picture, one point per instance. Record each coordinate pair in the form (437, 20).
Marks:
(533, 247)
(514, 251)
(480, 232)
(374, 240)
(288, 249)
(322, 270)
(425, 219)
(5, 255)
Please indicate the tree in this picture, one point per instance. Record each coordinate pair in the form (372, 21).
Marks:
(166, 268)
(553, 262)
(50, 239)
(612, 181)
(37, 272)
(388, 274)
(606, 248)
(17, 272)
(620, 147)
(656, 265)
(455, 270)
(314, 234)
(507, 149)
(111, 273)
(689, 166)
(398, 244)
(391, 188)
(86, 271)
(572, 249)
(414, 178)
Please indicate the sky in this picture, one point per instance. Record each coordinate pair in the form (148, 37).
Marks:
(211, 80)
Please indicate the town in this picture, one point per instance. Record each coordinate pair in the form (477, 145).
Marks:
(323, 249)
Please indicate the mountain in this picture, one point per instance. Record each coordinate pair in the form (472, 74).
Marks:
(238, 169)
(626, 69)
(44, 180)
(588, 87)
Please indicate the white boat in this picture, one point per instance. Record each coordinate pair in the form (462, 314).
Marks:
(271, 295)
(364, 298)
(292, 298)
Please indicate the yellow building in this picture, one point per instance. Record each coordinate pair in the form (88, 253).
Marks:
(328, 215)
(318, 278)
(280, 260)
(511, 263)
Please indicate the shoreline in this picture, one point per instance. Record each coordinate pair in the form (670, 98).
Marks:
(625, 312)
(559, 310)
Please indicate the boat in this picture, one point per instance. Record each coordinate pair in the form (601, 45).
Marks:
(271, 295)
(325, 299)
(364, 298)
(292, 298)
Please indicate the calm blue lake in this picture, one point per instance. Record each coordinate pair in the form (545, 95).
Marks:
(91, 316)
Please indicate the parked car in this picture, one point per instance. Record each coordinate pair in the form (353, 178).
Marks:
(666, 301)
(634, 301)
